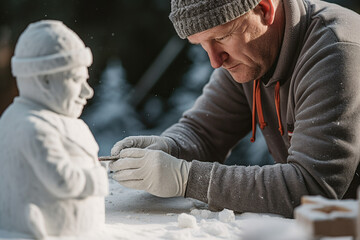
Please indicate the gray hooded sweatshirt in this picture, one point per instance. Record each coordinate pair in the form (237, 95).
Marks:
(319, 108)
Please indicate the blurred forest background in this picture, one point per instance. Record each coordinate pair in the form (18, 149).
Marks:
(143, 75)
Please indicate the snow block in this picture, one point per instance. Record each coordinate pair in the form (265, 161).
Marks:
(323, 217)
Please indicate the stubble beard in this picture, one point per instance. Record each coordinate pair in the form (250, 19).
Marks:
(250, 74)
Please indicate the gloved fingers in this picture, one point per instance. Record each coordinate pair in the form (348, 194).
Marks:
(157, 143)
(127, 175)
(126, 163)
(133, 153)
(136, 142)
(144, 141)
(127, 142)
(113, 166)
(134, 184)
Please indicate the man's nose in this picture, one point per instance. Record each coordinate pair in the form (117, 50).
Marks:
(216, 55)
(86, 91)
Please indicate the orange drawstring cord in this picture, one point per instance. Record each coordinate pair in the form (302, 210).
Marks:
(277, 105)
(252, 139)
(257, 108)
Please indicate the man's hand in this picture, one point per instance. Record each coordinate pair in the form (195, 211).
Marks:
(150, 142)
(151, 170)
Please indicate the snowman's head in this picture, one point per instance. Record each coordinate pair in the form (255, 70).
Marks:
(50, 65)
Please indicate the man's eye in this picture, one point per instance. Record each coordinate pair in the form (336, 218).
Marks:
(222, 38)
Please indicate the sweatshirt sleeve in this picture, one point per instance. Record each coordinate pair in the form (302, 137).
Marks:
(324, 151)
(207, 131)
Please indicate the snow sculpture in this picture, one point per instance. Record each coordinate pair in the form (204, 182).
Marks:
(51, 183)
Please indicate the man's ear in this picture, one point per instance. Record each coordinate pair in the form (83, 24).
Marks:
(267, 9)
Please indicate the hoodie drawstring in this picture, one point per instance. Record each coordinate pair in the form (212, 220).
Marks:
(257, 108)
(277, 105)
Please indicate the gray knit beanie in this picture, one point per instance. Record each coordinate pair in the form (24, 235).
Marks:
(193, 16)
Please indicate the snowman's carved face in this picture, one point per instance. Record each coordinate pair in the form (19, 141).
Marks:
(69, 91)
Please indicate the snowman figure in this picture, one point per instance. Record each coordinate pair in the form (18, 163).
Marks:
(51, 182)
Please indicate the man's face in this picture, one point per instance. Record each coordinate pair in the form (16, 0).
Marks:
(70, 91)
(241, 46)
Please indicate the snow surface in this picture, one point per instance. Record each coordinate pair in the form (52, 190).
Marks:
(133, 214)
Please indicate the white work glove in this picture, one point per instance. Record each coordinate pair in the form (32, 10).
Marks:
(154, 171)
(150, 142)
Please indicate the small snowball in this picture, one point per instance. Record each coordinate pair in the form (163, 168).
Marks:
(226, 216)
(186, 221)
(205, 214)
(195, 212)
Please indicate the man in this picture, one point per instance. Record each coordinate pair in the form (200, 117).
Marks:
(290, 66)
(51, 182)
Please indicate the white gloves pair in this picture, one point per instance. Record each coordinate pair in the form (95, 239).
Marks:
(143, 168)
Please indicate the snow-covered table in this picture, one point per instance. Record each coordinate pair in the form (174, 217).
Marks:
(133, 214)
(137, 215)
